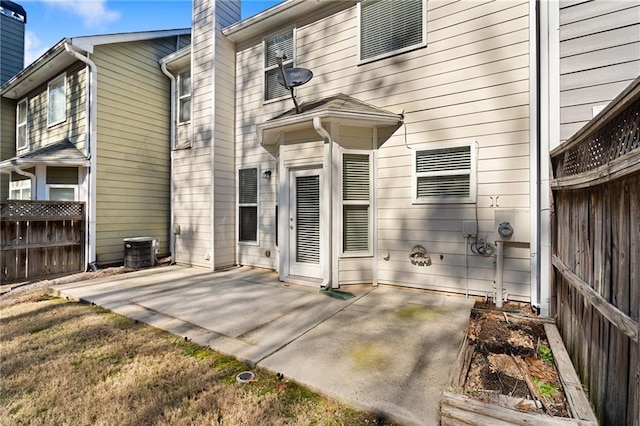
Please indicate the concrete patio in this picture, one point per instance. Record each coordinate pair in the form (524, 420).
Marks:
(385, 349)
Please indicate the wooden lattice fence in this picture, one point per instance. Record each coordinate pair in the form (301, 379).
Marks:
(596, 246)
(40, 239)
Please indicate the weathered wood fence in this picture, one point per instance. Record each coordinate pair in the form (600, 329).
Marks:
(596, 260)
(40, 238)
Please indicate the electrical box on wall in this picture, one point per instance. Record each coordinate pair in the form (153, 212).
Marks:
(512, 225)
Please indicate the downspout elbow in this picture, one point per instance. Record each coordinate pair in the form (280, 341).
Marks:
(317, 125)
(18, 170)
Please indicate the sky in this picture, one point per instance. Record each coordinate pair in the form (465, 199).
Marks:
(49, 21)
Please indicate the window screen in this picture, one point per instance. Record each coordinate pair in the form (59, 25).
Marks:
(248, 205)
(390, 26)
(356, 202)
(284, 42)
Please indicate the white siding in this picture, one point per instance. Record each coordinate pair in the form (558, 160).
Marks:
(469, 83)
(599, 56)
(207, 220)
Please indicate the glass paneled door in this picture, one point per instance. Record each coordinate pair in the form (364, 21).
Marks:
(304, 223)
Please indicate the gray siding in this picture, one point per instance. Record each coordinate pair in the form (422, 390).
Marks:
(11, 47)
(133, 146)
(599, 56)
(7, 140)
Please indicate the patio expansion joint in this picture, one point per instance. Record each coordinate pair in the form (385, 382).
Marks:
(265, 356)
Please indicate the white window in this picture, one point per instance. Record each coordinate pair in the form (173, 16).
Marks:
(57, 101)
(389, 27)
(20, 190)
(282, 41)
(445, 173)
(184, 97)
(62, 192)
(21, 124)
(356, 203)
(248, 205)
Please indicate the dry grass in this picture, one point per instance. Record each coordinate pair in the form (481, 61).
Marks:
(68, 363)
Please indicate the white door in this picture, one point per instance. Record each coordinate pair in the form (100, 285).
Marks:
(304, 223)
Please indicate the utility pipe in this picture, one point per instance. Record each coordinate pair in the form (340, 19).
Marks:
(328, 164)
(34, 179)
(90, 150)
(499, 272)
(172, 237)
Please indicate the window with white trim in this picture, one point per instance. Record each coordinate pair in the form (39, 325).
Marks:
(445, 173)
(57, 100)
(184, 97)
(282, 41)
(57, 192)
(21, 124)
(356, 203)
(389, 27)
(20, 189)
(248, 205)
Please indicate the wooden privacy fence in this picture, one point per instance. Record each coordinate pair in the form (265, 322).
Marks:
(41, 238)
(596, 260)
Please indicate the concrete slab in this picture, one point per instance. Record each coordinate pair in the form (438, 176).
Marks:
(390, 351)
(385, 349)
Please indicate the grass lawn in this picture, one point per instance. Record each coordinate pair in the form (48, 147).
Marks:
(70, 363)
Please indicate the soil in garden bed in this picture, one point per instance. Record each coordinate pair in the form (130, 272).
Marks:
(507, 348)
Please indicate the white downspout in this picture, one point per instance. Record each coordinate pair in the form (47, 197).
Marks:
(172, 237)
(499, 273)
(90, 149)
(31, 176)
(328, 167)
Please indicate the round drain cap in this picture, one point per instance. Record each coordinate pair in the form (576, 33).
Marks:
(246, 377)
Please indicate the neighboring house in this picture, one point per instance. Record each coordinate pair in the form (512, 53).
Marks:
(91, 124)
(599, 57)
(13, 18)
(415, 140)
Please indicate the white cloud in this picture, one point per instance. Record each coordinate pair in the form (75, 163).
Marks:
(33, 48)
(94, 13)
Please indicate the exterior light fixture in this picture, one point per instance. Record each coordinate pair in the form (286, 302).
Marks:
(267, 175)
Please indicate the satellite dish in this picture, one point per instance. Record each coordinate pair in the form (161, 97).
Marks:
(295, 77)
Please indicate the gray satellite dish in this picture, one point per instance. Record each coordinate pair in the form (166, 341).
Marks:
(295, 77)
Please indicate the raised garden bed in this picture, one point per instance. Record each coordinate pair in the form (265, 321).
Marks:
(513, 369)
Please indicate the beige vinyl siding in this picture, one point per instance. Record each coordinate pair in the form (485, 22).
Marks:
(133, 146)
(471, 83)
(207, 220)
(7, 140)
(599, 57)
(224, 209)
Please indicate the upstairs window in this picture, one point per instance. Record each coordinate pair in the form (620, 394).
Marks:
(445, 173)
(248, 205)
(356, 203)
(184, 97)
(57, 101)
(21, 124)
(284, 42)
(388, 27)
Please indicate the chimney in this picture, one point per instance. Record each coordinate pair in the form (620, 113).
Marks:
(12, 21)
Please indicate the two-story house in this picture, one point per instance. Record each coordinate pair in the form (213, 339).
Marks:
(90, 123)
(413, 143)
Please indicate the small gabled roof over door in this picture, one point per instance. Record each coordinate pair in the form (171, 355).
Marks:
(340, 109)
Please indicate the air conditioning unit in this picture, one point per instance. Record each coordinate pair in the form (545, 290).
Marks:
(512, 225)
(139, 252)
